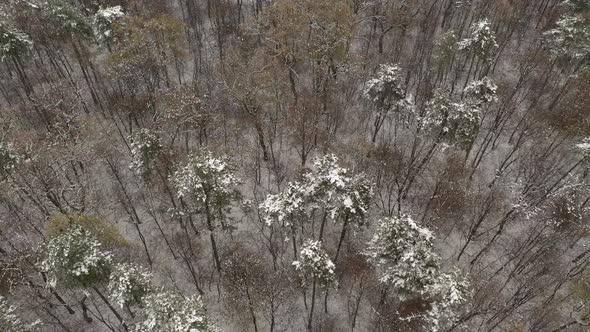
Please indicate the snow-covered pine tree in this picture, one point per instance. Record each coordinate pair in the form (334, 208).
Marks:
(462, 125)
(9, 159)
(170, 312)
(145, 146)
(386, 93)
(448, 298)
(10, 321)
(569, 40)
(577, 6)
(103, 22)
(584, 146)
(314, 267)
(74, 258)
(328, 190)
(481, 92)
(481, 41)
(455, 123)
(403, 253)
(286, 207)
(208, 185)
(129, 284)
(445, 48)
(64, 19)
(342, 196)
(13, 43)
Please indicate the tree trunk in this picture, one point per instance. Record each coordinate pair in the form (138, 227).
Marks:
(310, 320)
(342, 236)
(113, 310)
(251, 308)
(211, 229)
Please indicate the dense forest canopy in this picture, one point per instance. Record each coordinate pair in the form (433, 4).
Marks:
(294, 165)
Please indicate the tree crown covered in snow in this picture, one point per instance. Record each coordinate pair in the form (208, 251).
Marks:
(335, 188)
(74, 258)
(103, 22)
(170, 312)
(207, 180)
(327, 186)
(448, 298)
(462, 124)
(481, 92)
(445, 47)
(403, 253)
(9, 159)
(481, 41)
(64, 19)
(577, 5)
(457, 122)
(128, 284)
(10, 321)
(284, 205)
(13, 43)
(386, 90)
(584, 146)
(570, 39)
(314, 264)
(145, 146)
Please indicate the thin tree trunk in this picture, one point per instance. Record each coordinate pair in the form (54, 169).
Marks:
(310, 320)
(113, 310)
(251, 308)
(211, 229)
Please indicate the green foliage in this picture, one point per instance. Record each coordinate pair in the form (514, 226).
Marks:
(129, 284)
(462, 125)
(145, 147)
(445, 47)
(74, 258)
(570, 39)
(170, 312)
(63, 19)
(208, 182)
(13, 43)
(104, 23)
(403, 253)
(9, 159)
(314, 264)
(457, 123)
(449, 296)
(11, 322)
(386, 91)
(578, 6)
(328, 186)
(481, 92)
(481, 41)
(342, 194)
